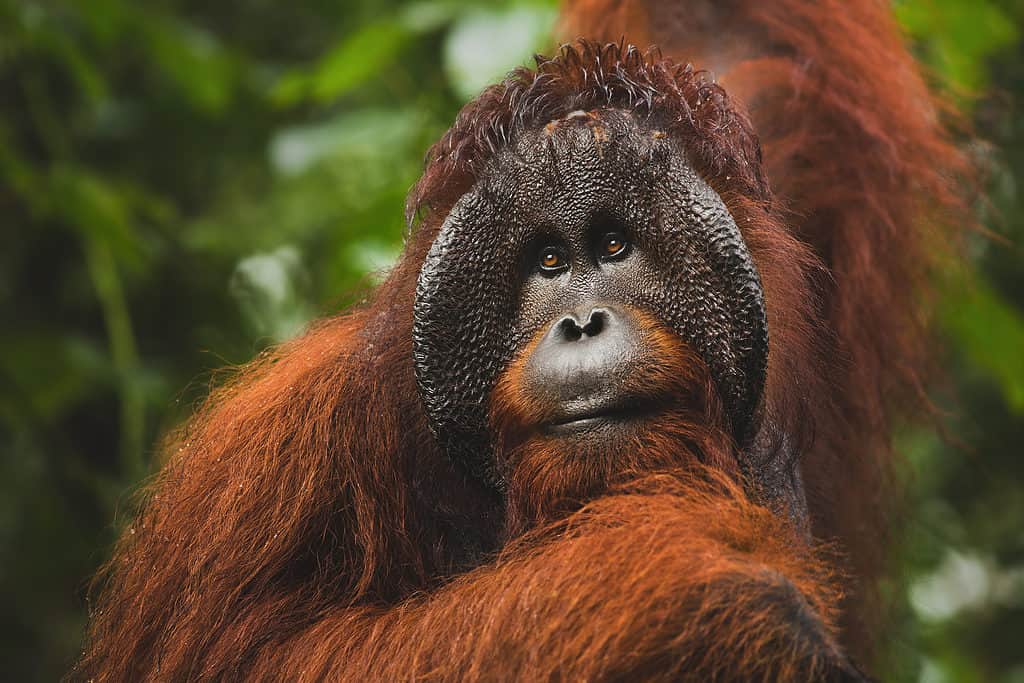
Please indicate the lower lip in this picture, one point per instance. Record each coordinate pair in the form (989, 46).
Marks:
(586, 424)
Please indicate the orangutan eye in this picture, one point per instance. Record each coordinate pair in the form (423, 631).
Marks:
(552, 259)
(613, 245)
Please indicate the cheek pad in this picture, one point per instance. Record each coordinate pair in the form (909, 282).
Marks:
(711, 294)
(462, 319)
(708, 291)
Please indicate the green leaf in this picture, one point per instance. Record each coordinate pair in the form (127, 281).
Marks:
(362, 55)
(353, 61)
(486, 44)
(97, 210)
(49, 373)
(958, 36)
(990, 333)
(194, 60)
(369, 133)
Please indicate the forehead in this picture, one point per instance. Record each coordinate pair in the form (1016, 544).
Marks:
(586, 161)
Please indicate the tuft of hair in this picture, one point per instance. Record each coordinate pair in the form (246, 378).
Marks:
(589, 75)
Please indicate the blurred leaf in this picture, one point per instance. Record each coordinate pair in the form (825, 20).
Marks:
(106, 281)
(486, 44)
(990, 333)
(20, 176)
(374, 256)
(194, 59)
(371, 133)
(422, 17)
(96, 208)
(107, 20)
(960, 36)
(361, 55)
(49, 373)
(63, 48)
(271, 290)
(340, 179)
(963, 581)
(353, 61)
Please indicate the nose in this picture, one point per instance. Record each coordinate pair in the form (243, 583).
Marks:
(578, 325)
(581, 362)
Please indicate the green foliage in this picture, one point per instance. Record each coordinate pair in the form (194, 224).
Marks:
(958, 37)
(989, 332)
(181, 185)
(184, 183)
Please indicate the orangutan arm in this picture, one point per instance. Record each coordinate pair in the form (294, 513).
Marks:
(667, 582)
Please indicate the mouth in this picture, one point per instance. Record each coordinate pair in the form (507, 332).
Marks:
(591, 420)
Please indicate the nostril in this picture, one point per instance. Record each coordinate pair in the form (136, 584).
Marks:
(569, 329)
(596, 323)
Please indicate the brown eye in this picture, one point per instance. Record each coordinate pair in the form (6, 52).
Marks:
(552, 259)
(613, 244)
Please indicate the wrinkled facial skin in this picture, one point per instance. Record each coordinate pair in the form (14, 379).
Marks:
(481, 296)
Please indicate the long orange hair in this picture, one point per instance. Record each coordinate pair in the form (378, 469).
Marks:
(306, 525)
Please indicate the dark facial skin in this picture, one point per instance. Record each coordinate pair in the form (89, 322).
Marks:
(572, 228)
(580, 370)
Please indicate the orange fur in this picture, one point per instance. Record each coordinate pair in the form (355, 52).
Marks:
(856, 151)
(549, 477)
(286, 538)
(305, 524)
(705, 586)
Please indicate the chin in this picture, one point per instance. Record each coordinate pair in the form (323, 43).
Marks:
(559, 467)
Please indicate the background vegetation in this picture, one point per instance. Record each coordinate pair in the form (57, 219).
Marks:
(184, 182)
